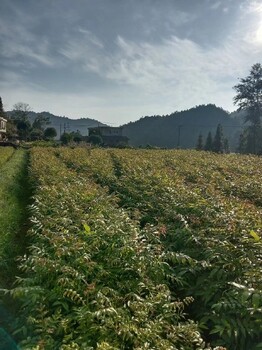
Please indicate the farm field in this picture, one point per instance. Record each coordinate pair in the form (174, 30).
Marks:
(142, 249)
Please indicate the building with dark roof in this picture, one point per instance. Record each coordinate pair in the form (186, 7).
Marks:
(111, 136)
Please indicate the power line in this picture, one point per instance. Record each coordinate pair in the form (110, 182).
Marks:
(209, 126)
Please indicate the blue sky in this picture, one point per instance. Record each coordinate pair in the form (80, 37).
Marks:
(119, 60)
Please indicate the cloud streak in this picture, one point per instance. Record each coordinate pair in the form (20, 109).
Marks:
(175, 68)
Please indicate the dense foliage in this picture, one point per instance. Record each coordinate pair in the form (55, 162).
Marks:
(249, 100)
(147, 249)
(94, 278)
(208, 208)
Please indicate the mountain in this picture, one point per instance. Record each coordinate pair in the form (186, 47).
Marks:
(181, 129)
(64, 124)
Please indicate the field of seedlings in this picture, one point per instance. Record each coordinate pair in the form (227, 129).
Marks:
(142, 249)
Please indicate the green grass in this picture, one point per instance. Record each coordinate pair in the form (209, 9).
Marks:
(14, 199)
(14, 194)
(5, 154)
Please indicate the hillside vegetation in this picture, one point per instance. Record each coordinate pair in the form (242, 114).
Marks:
(181, 129)
(137, 249)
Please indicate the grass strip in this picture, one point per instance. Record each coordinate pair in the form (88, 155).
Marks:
(5, 154)
(14, 198)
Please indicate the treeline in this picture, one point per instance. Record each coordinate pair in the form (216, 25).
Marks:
(20, 128)
(219, 144)
(249, 100)
(182, 129)
(195, 127)
(177, 130)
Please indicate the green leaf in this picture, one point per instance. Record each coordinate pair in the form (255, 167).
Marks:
(256, 300)
(87, 229)
(254, 235)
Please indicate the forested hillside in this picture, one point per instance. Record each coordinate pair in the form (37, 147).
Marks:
(181, 129)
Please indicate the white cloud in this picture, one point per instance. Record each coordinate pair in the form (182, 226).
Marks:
(175, 67)
(252, 25)
(84, 50)
(174, 74)
(145, 76)
(90, 37)
(253, 6)
(216, 5)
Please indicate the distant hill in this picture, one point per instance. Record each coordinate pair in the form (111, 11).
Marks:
(181, 129)
(64, 124)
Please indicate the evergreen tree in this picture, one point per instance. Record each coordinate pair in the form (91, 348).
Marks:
(242, 143)
(77, 137)
(209, 142)
(218, 144)
(40, 122)
(200, 145)
(226, 146)
(66, 138)
(95, 140)
(249, 99)
(50, 133)
(38, 125)
(2, 112)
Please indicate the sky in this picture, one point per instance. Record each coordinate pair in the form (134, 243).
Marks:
(119, 60)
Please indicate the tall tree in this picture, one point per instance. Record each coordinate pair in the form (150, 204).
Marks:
(226, 145)
(242, 143)
(66, 138)
(38, 125)
(249, 99)
(21, 111)
(40, 122)
(200, 145)
(218, 143)
(20, 117)
(209, 142)
(50, 133)
(2, 112)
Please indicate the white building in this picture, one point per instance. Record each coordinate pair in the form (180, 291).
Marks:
(2, 128)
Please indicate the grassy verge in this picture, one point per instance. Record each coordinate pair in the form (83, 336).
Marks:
(14, 198)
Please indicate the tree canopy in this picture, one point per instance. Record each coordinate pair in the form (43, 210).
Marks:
(249, 94)
(249, 99)
(50, 133)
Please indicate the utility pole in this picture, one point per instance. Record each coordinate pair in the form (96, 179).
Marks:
(179, 132)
